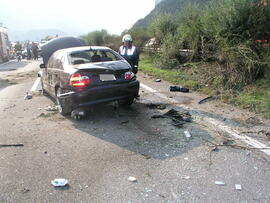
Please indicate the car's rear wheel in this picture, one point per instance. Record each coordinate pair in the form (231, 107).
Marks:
(62, 105)
(126, 102)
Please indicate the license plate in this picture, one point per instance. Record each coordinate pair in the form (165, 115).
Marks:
(107, 77)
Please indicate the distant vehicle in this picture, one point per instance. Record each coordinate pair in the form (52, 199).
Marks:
(4, 45)
(152, 43)
(79, 77)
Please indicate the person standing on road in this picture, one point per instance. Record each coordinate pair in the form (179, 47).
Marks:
(130, 52)
(35, 50)
(28, 49)
(18, 50)
(18, 46)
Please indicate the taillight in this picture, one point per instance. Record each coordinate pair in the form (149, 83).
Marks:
(129, 75)
(77, 80)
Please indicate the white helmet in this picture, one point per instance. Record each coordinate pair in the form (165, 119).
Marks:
(127, 38)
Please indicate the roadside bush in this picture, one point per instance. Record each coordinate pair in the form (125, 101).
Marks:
(227, 31)
(162, 26)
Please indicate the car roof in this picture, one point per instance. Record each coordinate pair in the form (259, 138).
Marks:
(84, 48)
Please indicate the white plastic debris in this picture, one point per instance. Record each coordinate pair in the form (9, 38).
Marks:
(51, 108)
(238, 187)
(27, 96)
(186, 177)
(59, 182)
(132, 179)
(186, 158)
(219, 183)
(187, 134)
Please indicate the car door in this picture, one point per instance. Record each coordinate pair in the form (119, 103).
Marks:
(46, 76)
(51, 70)
(56, 70)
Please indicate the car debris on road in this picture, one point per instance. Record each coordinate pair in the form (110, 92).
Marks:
(27, 96)
(179, 89)
(178, 119)
(159, 106)
(187, 134)
(59, 182)
(207, 99)
(220, 183)
(132, 179)
(78, 114)
(51, 108)
(11, 145)
(238, 187)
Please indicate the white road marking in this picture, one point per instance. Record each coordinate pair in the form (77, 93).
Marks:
(35, 85)
(217, 124)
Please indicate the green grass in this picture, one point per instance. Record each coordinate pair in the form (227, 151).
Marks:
(254, 97)
(174, 76)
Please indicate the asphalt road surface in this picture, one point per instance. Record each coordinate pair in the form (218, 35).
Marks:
(98, 155)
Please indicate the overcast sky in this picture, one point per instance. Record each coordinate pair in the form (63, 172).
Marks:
(77, 16)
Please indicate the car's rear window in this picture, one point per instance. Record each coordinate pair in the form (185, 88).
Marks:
(93, 56)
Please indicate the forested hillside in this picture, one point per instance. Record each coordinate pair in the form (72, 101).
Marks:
(166, 7)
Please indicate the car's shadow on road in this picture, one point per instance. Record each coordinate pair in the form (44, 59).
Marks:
(133, 129)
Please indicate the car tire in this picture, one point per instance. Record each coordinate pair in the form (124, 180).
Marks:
(126, 102)
(62, 105)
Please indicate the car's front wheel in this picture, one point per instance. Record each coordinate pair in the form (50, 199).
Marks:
(62, 104)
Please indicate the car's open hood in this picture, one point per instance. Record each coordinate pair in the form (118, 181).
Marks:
(59, 43)
(111, 65)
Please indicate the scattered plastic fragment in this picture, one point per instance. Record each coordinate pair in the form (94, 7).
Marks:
(158, 80)
(78, 114)
(11, 145)
(238, 187)
(51, 108)
(206, 100)
(160, 106)
(219, 183)
(27, 96)
(158, 116)
(187, 134)
(132, 179)
(186, 158)
(25, 190)
(59, 182)
(186, 177)
(124, 122)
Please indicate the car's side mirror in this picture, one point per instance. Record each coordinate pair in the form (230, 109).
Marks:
(42, 65)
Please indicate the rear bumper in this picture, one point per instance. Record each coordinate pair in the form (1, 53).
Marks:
(102, 94)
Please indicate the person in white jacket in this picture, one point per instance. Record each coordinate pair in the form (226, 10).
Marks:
(130, 52)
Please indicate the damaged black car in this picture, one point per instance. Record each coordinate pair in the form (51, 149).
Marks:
(82, 76)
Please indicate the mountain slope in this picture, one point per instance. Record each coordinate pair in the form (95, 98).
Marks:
(166, 6)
